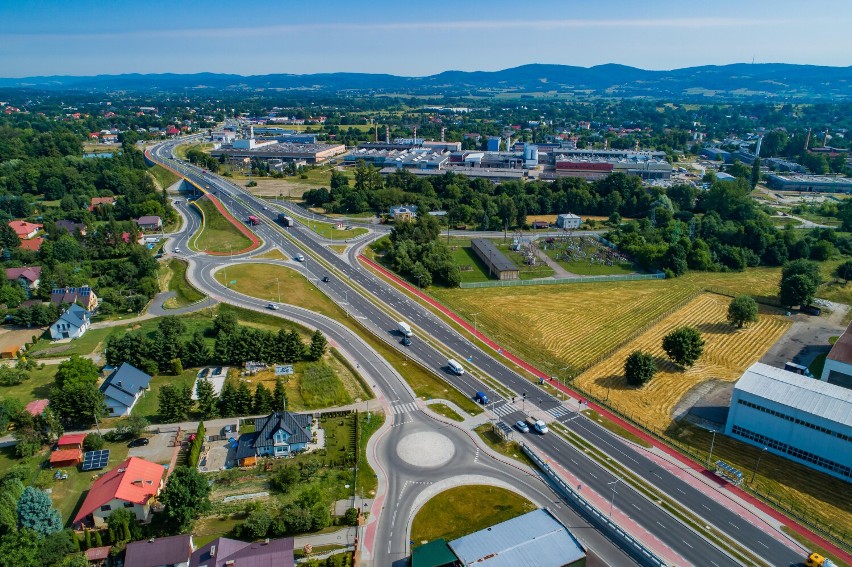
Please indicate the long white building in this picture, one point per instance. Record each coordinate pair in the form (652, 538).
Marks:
(800, 418)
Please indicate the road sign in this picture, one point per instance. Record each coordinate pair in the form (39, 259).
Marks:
(340, 226)
(233, 282)
(283, 370)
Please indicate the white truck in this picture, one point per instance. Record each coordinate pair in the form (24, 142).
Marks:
(404, 328)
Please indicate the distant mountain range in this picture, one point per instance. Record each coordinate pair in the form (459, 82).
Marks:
(773, 81)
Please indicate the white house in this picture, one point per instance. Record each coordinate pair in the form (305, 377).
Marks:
(123, 388)
(132, 485)
(568, 220)
(73, 322)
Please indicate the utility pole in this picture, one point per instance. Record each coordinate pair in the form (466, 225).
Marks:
(756, 466)
(712, 442)
(612, 500)
(474, 325)
(278, 283)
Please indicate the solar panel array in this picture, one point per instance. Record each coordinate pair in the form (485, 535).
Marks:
(94, 460)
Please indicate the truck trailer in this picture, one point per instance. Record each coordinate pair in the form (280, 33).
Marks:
(404, 328)
(285, 220)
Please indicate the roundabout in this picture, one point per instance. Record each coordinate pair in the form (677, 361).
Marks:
(426, 449)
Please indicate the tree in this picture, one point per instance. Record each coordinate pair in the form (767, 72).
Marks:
(279, 395)
(11, 489)
(185, 496)
(243, 399)
(36, 512)
(263, 401)
(195, 351)
(21, 549)
(318, 345)
(76, 369)
(175, 402)
(119, 524)
(225, 323)
(176, 367)
(684, 345)
(797, 289)
(755, 172)
(742, 310)
(134, 424)
(93, 442)
(639, 368)
(206, 398)
(75, 395)
(804, 267)
(351, 517)
(293, 348)
(844, 271)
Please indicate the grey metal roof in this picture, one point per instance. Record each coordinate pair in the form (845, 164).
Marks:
(74, 315)
(499, 260)
(819, 398)
(536, 539)
(171, 550)
(124, 383)
(294, 424)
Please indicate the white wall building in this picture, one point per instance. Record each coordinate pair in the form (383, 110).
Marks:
(568, 220)
(800, 418)
(838, 363)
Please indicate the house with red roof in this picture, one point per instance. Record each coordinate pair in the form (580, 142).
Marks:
(36, 407)
(25, 230)
(71, 441)
(133, 485)
(171, 130)
(33, 244)
(94, 135)
(98, 201)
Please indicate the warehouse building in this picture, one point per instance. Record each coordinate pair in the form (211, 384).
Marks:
(311, 153)
(568, 221)
(806, 420)
(838, 363)
(810, 183)
(497, 262)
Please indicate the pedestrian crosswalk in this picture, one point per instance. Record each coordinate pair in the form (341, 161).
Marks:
(558, 411)
(404, 408)
(504, 409)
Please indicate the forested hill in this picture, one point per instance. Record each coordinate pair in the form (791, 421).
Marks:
(775, 81)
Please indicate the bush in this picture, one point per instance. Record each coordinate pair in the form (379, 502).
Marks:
(351, 517)
(93, 442)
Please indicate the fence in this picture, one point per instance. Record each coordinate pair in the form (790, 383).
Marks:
(639, 552)
(557, 281)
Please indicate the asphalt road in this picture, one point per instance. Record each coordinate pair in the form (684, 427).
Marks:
(660, 524)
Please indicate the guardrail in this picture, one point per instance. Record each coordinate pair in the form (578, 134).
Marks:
(639, 552)
(556, 281)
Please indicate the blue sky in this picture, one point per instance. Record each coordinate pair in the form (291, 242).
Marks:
(88, 37)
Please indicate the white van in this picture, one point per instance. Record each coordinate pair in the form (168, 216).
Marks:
(404, 328)
(455, 367)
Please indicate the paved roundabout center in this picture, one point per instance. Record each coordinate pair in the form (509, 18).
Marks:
(426, 449)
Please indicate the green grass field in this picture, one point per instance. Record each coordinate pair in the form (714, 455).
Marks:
(37, 387)
(328, 230)
(174, 276)
(446, 411)
(218, 234)
(148, 404)
(463, 510)
(164, 177)
(506, 448)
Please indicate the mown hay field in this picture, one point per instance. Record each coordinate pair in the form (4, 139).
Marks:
(553, 326)
(728, 351)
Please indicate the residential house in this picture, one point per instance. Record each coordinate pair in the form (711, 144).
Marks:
(279, 434)
(73, 322)
(66, 458)
(123, 388)
(25, 230)
(132, 485)
(70, 295)
(27, 277)
(36, 407)
(173, 551)
(568, 221)
(222, 552)
(149, 222)
(71, 227)
(403, 212)
(99, 201)
(33, 244)
(109, 138)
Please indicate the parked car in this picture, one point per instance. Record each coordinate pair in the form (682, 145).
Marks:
(522, 427)
(141, 442)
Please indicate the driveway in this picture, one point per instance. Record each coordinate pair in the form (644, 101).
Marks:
(807, 337)
(158, 449)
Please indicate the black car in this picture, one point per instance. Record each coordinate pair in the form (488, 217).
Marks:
(141, 442)
(405, 341)
(326, 279)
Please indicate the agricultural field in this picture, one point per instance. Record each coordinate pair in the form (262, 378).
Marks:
(727, 353)
(555, 326)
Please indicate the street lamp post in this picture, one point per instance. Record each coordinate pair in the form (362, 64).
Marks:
(474, 324)
(278, 284)
(754, 472)
(712, 442)
(612, 499)
(418, 276)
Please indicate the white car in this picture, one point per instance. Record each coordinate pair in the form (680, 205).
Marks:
(177, 250)
(299, 258)
(272, 306)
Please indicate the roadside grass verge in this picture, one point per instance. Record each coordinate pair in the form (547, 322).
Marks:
(446, 411)
(218, 234)
(814, 548)
(164, 177)
(176, 281)
(330, 231)
(368, 424)
(463, 510)
(613, 427)
(506, 448)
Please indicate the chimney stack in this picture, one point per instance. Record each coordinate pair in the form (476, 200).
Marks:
(442, 134)
(387, 134)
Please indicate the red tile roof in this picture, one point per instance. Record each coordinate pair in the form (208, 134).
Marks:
(23, 228)
(97, 553)
(71, 439)
(64, 455)
(135, 480)
(36, 407)
(31, 274)
(33, 244)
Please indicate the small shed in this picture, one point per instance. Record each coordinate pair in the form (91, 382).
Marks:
(98, 555)
(71, 441)
(66, 458)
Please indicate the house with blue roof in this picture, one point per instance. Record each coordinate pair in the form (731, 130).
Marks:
(123, 388)
(280, 434)
(73, 322)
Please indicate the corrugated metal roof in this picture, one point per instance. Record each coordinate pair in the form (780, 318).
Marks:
(798, 392)
(536, 539)
(842, 349)
(499, 260)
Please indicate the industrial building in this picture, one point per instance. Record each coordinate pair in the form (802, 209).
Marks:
(593, 168)
(810, 183)
(781, 164)
(310, 153)
(497, 262)
(805, 420)
(838, 363)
